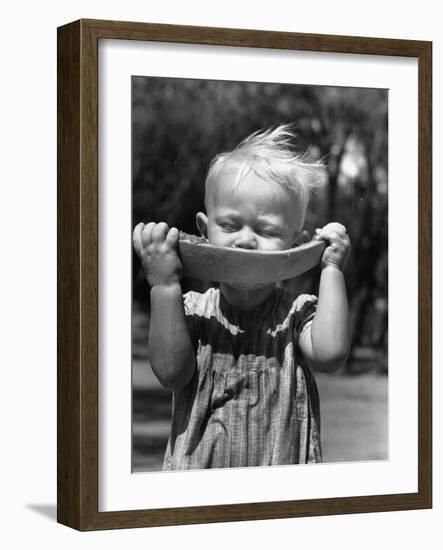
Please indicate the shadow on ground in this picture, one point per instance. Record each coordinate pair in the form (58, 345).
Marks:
(49, 511)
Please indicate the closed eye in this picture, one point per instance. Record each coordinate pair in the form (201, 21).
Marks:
(228, 225)
(269, 232)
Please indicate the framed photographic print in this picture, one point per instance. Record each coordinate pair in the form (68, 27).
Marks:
(297, 161)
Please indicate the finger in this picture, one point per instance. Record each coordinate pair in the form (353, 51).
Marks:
(137, 238)
(339, 248)
(324, 234)
(316, 234)
(159, 232)
(172, 236)
(337, 227)
(147, 233)
(329, 233)
(346, 241)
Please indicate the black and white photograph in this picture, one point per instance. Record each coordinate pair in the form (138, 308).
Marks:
(259, 274)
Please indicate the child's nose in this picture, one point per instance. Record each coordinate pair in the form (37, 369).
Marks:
(246, 239)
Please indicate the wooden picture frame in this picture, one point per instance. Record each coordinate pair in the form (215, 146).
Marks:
(77, 428)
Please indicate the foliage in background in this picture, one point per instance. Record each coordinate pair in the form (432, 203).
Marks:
(179, 125)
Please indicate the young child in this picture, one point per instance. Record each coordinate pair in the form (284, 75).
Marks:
(238, 358)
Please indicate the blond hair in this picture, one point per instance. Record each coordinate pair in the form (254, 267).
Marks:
(270, 155)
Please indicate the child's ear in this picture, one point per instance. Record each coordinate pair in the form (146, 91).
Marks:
(202, 224)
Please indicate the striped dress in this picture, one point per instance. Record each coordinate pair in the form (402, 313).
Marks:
(252, 400)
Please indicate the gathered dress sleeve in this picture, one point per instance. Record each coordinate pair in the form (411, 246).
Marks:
(191, 304)
(305, 307)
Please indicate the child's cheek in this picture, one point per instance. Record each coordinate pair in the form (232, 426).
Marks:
(218, 237)
(274, 243)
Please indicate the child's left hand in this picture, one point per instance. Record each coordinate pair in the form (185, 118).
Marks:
(339, 246)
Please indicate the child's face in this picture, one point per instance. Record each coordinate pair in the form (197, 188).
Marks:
(252, 214)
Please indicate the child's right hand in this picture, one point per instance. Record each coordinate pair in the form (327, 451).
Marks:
(156, 246)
